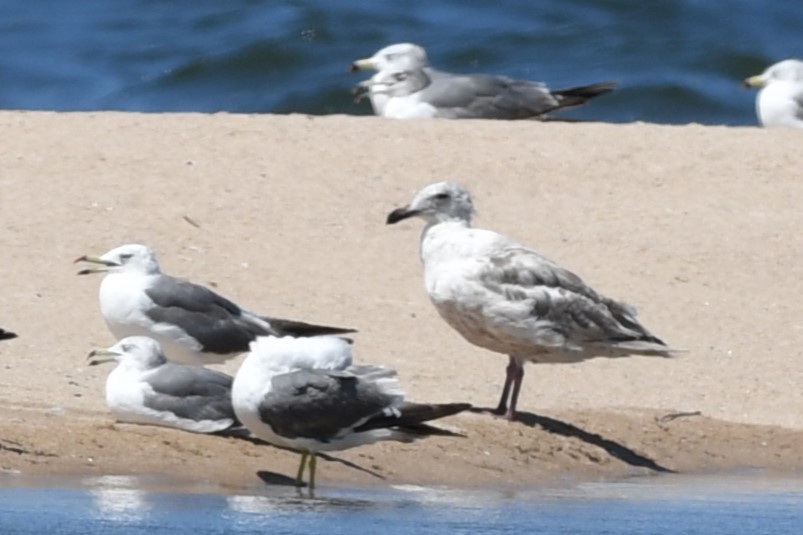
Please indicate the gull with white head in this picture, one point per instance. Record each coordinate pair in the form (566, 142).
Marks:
(780, 98)
(405, 87)
(505, 297)
(305, 394)
(193, 324)
(146, 389)
(393, 58)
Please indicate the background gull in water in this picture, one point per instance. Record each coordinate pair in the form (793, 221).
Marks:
(304, 394)
(505, 297)
(146, 389)
(780, 97)
(193, 324)
(405, 88)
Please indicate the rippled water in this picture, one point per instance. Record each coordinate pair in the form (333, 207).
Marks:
(667, 505)
(677, 61)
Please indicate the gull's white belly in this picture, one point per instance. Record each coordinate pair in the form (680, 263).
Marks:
(408, 107)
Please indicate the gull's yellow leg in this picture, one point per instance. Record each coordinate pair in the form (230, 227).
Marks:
(313, 462)
(300, 475)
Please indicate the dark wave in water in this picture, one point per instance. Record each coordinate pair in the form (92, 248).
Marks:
(677, 61)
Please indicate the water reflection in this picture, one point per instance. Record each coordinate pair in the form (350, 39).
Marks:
(118, 499)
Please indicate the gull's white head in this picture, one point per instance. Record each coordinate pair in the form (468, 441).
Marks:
(288, 353)
(135, 352)
(130, 258)
(789, 70)
(398, 57)
(437, 203)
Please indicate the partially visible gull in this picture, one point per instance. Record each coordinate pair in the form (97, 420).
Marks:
(7, 335)
(304, 394)
(193, 324)
(146, 389)
(780, 100)
(406, 87)
(507, 298)
(393, 58)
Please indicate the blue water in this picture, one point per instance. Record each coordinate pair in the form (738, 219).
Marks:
(666, 505)
(677, 61)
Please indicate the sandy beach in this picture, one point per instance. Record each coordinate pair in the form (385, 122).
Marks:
(698, 227)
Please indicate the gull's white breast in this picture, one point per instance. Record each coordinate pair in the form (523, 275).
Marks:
(409, 107)
(779, 104)
(123, 303)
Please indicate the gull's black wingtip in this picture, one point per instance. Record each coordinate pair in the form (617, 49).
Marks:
(300, 328)
(7, 335)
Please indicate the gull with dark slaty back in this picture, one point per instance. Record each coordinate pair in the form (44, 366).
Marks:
(305, 394)
(193, 324)
(146, 389)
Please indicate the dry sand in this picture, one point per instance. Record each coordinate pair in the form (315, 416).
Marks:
(699, 227)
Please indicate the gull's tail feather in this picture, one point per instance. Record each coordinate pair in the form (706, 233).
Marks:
(410, 417)
(577, 96)
(299, 328)
(7, 335)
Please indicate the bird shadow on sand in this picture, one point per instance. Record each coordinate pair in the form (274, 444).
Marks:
(566, 429)
(274, 478)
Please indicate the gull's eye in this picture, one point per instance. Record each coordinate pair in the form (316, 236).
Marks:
(400, 76)
(127, 348)
(442, 196)
(125, 257)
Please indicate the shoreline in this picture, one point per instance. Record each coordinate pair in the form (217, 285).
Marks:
(545, 450)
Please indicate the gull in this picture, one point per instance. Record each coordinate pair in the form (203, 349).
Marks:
(780, 98)
(504, 297)
(398, 57)
(146, 389)
(7, 335)
(406, 87)
(305, 394)
(193, 324)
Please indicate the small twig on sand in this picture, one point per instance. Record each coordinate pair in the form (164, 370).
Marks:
(191, 222)
(675, 415)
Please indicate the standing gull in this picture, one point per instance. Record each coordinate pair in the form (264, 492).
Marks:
(507, 298)
(7, 335)
(780, 100)
(304, 394)
(146, 389)
(406, 87)
(193, 324)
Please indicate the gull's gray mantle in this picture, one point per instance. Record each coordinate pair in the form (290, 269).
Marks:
(193, 324)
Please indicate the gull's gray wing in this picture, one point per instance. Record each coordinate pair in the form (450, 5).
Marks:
(486, 96)
(217, 323)
(564, 310)
(191, 392)
(324, 405)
